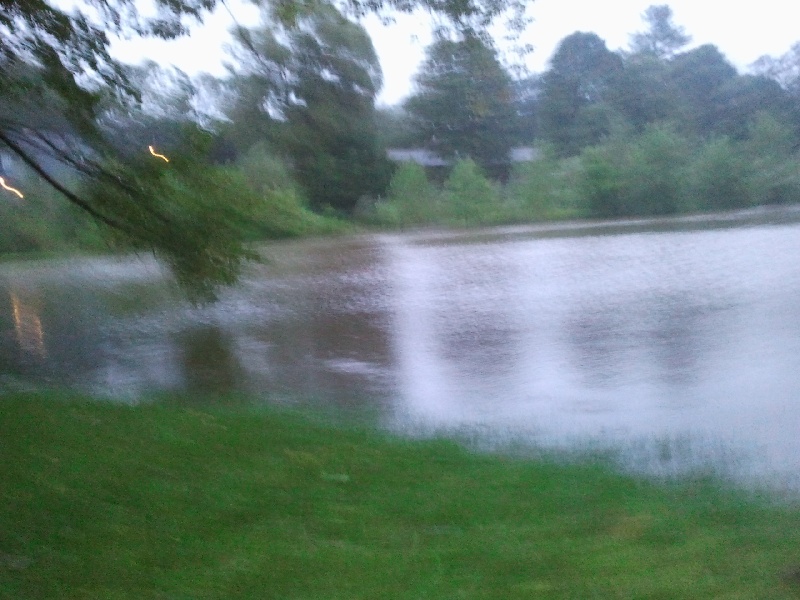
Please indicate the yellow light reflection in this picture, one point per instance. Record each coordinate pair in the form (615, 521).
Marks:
(28, 327)
(9, 188)
(161, 156)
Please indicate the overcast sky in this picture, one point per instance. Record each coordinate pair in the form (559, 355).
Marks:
(742, 31)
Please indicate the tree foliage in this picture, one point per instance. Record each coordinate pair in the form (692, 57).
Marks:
(640, 175)
(663, 39)
(541, 189)
(655, 131)
(463, 105)
(311, 92)
(576, 93)
(468, 195)
(700, 75)
(410, 186)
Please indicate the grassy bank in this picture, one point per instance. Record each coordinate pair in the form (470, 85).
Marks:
(102, 501)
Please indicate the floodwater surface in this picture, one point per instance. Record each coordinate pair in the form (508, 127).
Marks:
(677, 341)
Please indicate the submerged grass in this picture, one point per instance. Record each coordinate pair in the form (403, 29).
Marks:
(157, 501)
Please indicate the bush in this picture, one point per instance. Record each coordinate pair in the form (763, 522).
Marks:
(645, 175)
(720, 178)
(411, 199)
(655, 177)
(774, 166)
(469, 197)
(541, 190)
(600, 185)
(43, 221)
(265, 172)
(280, 209)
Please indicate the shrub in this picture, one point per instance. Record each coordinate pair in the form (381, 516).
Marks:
(541, 189)
(600, 185)
(412, 197)
(279, 209)
(644, 175)
(775, 169)
(720, 177)
(468, 196)
(655, 173)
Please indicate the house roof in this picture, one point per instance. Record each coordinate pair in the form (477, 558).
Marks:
(428, 158)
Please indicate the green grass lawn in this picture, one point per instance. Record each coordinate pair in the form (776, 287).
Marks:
(103, 501)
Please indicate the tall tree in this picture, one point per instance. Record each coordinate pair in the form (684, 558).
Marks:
(312, 94)
(74, 76)
(746, 98)
(464, 101)
(663, 39)
(394, 127)
(785, 70)
(527, 95)
(575, 108)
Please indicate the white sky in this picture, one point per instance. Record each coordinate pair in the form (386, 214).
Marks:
(742, 31)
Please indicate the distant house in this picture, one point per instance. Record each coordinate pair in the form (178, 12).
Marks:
(437, 167)
(426, 158)
(524, 154)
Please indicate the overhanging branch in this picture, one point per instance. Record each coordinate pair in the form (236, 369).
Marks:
(71, 196)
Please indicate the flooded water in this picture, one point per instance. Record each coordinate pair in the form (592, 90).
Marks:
(676, 342)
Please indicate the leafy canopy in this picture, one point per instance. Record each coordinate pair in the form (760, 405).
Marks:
(464, 104)
(58, 81)
(576, 91)
(311, 91)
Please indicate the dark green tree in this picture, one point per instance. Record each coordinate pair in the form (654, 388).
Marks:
(575, 109)
(700, 76)
(464, 102)
(663, 39)
(311, 91)
(784, 69)
(644, 92)
(395, 128)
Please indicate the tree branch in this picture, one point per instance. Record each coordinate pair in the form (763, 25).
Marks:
(71, 196)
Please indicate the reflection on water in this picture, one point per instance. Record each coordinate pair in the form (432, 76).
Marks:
(678, 339)
(208, 360)
(28, 326)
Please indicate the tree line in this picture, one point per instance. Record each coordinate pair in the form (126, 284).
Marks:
(654, 129)
(291, 142)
